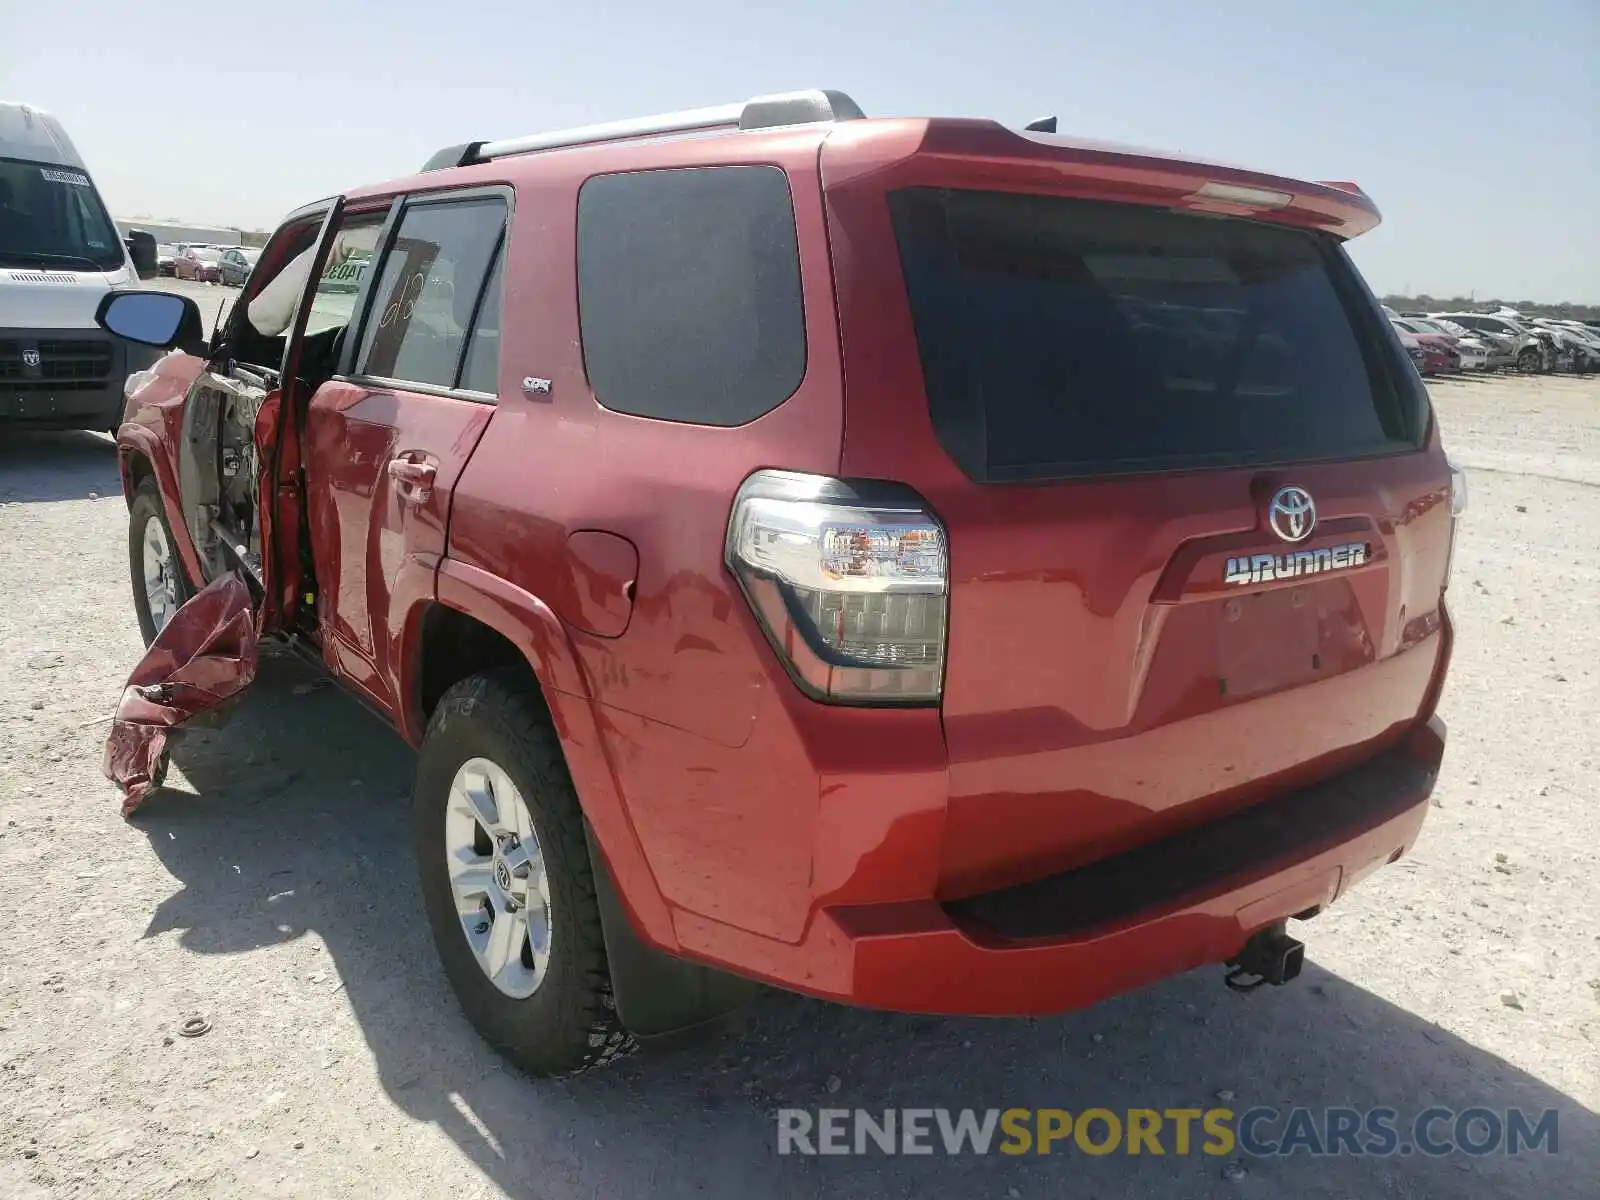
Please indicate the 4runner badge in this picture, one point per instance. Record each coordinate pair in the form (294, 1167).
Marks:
(1292, 514)
(1265, 568)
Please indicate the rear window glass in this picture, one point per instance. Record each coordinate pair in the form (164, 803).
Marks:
(689, 293)
(1065, 337)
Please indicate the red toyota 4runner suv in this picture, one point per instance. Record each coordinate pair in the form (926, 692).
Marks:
(916, 563)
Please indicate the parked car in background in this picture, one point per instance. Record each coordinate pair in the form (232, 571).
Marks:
(1427, 356)
(1463, 336)
(200, 263)
(1439, 349)
(166, 258)
(183, 248)
(1469, 353)
(1521, 350)
(1501, 348)
(236, 264)
(1590, 339)
(1555, 356)
(1574, 350)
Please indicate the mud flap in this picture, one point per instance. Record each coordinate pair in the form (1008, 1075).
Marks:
(204, 657)
(661, 1000)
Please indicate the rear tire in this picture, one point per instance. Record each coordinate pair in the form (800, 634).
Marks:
(147, 527)
(568, 1023)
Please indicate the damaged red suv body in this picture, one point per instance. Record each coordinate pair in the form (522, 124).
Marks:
(911, 562)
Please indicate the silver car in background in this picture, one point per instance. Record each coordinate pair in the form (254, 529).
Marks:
(1578, 347)
(1516, 345)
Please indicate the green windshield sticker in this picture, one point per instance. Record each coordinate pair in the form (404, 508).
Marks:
(51, 175)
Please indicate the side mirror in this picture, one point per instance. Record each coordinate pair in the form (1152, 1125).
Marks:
(142, 250)
(160, 319)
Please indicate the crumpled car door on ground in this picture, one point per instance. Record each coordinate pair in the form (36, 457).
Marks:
(206, 654)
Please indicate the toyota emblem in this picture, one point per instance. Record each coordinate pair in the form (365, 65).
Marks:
(1292, 514)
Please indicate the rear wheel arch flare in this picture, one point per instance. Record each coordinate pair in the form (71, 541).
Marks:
(452, 645)
(136, 468)
(514, 622)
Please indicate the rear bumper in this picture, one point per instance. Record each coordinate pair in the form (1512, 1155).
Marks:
(1074, 939)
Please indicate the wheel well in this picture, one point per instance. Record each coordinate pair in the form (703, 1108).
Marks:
(453, 647)
(138, 470)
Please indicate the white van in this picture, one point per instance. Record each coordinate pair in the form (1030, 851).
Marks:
(59, 256)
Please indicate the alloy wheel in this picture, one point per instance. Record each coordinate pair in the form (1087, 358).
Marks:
(497, 874)
(160, 575)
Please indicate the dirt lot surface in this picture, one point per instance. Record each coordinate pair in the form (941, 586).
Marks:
(271, 891)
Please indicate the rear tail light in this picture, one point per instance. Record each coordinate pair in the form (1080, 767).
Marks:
(849, 581)
(1458, 505)
(1458, 490)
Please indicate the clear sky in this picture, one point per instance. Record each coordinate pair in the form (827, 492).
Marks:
(1475, 124)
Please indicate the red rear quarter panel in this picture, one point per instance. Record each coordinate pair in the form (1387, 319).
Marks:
(689, 704)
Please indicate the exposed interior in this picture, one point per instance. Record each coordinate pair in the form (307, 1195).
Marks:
(219, 469)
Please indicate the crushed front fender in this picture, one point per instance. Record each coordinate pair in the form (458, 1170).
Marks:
(206, 654)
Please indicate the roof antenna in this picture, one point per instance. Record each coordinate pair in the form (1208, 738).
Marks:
(1042, 125)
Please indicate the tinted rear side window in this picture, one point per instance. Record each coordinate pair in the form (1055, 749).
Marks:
(689, 293)
(431, 277)
(481, 370)
(1066, 337)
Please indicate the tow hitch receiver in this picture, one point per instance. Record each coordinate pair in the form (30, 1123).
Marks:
(1271, 956)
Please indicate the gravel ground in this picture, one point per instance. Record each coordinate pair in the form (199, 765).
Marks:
(272, 894)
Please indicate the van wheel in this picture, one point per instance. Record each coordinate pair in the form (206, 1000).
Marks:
(160, 586)
(507, 881)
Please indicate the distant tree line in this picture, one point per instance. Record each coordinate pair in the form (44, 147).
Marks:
(254, 237)
(1426, 303)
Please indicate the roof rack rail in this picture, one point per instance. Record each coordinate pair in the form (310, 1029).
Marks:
(759, 112)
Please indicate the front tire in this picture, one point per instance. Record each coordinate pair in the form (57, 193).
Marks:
(507, 880)
(160, 586)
